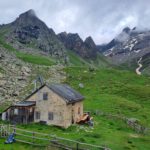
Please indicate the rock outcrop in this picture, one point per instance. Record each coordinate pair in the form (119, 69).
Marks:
(14, 76)
(17, 77)
(85, 49)
(29, 33)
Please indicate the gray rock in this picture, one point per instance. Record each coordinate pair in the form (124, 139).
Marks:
(81, 85)
(16, 93)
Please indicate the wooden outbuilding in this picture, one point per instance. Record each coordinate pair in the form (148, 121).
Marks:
(56, 104)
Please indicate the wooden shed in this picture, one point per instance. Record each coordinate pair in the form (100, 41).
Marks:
(56, 104)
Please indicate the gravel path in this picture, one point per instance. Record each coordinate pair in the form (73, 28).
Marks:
(139, 67)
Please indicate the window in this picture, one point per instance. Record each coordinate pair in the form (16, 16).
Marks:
(37, 115)
(79, 110)
(45, 96)
(15, 111)
(50, 116)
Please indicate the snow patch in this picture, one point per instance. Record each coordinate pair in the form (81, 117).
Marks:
(137, 51)
(131, 47)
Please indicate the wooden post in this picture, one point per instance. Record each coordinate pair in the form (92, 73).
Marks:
(9, 129)
(1, 130)
(5, 130)
(14, 129)
(33, 135)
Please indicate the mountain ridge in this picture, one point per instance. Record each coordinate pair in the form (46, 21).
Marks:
(128, 47)
(73, 41)
(29, 34)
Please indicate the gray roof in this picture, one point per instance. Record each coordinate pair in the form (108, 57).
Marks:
(65, 91)
(25, 103)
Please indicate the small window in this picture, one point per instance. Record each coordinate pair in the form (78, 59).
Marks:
(45, 96)
(79, 110)
(37, 115)
(50, 116)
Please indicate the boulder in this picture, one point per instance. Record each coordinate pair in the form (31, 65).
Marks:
(16, 93)
(81, 85)
(26, 69)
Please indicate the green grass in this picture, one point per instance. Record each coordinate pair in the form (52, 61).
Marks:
(76, 60)
(111, 91)
(119, 93)
(100, 61)
(30, 58)
(110, 86)
(17, 146)
(35, 59)
(130, 65)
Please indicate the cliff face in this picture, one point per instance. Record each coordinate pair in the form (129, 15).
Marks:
(86, 49)
(29, 33)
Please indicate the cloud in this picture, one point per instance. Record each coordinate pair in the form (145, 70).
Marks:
(123, 36)
(101, 19)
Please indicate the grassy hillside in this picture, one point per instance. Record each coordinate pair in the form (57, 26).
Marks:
(110, 95)
(113, 92)
(75, 60)
(35, 59)
(30, 58)
(112, 86)
(119, 93)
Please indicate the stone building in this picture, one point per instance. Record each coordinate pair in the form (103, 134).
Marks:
(57, 104)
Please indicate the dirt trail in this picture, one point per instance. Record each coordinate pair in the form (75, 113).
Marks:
(139, 67)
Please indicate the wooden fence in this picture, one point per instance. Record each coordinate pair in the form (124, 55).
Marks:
(45, 140)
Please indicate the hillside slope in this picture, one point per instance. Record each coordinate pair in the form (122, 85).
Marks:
(18, 70)
(112, 95)
(28, 33)
(114, 98)
(31, 35)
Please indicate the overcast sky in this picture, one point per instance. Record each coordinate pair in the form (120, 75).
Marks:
(101, 19)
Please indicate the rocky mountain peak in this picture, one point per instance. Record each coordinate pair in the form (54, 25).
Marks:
(29, 30)
(63, 33)
(75, 36)
(72, 41)
(29, 13)
(126, 30)
(89, 41)
(28, 18)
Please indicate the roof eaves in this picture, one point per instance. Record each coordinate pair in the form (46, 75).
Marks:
(69, 101)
